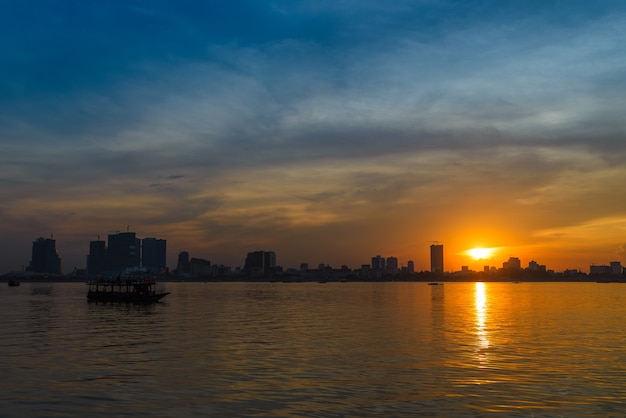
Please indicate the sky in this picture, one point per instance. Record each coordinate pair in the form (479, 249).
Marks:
(326, 131)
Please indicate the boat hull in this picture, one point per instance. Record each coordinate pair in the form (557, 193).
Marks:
(122, 297)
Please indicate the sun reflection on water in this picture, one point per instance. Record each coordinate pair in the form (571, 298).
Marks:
(482, 343)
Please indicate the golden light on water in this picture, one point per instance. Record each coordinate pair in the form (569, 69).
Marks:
(480, 300)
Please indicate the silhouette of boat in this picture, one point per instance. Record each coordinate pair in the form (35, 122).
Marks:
(124, 291)
(13, 283)
(435, 284)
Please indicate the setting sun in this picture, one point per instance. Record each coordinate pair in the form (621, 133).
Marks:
(480, 253)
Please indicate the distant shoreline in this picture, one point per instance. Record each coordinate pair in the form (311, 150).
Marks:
(278, 280)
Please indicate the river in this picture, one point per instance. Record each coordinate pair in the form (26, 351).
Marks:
(316, 350)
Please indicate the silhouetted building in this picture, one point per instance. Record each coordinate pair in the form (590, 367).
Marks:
(199, 267)
(436, 258)
(365, 272)
(183, 266)
(378, 263)
(391, 265)
(260, 263)
(153, 254)
(616, 267)
(96, 260)
(123, 252)
(410, 266)
(513, 264)
(45, 258)
(536, 267)
(600, 270)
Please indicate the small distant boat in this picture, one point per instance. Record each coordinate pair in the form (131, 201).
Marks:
(138, 291)
(13, 283)
(435, 284)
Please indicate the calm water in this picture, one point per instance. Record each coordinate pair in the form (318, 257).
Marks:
(311, 349)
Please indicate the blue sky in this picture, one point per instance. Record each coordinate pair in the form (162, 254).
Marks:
(326, 131)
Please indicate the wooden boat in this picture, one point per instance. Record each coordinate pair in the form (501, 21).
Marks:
(124, 291)
(13, 283)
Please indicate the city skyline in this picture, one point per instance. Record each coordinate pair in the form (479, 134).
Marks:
(124, 251)
(324, 131)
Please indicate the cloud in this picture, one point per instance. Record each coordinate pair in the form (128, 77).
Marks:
(295, 120)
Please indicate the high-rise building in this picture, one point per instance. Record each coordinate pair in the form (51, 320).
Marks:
(153, 254)
(391, 265)
(436, 258)
(410, 266)
(260, 263)
(123, 252)
(45, 258)
(96, 261)
(183, 266)
(378, 263)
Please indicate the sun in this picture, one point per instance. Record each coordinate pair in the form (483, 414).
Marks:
(480, 253)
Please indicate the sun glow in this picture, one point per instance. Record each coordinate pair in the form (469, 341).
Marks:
(480, 253)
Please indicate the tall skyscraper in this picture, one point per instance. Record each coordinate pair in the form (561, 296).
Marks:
(153, 254)
(45, 258)
(260, 263)
(378, 263)
(96, 261)
(123, 252)
(436, 258)
(391, 265)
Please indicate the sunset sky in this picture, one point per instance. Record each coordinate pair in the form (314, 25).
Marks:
(326, 131)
